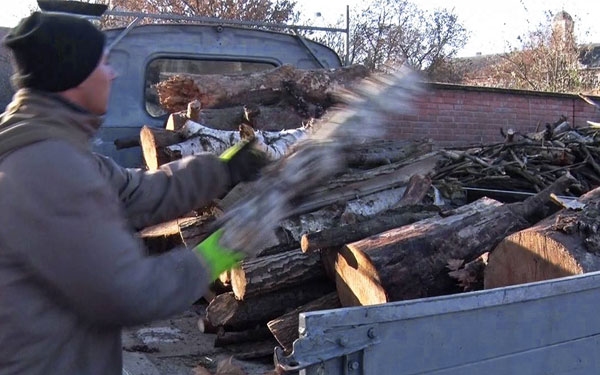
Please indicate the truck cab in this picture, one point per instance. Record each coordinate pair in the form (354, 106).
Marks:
(151, 53)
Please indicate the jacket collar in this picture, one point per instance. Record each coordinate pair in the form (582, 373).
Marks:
(45, 107)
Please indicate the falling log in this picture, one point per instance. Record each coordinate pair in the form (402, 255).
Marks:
(560, 245)
(270, 118)
(260, 88)
(285, 327)
(153, 142)
(410, 261)
(270, 273)
(387, 220)
(234, 315)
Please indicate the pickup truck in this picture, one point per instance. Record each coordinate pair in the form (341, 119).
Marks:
(548, 327)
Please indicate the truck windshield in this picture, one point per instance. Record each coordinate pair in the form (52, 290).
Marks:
(161, 69)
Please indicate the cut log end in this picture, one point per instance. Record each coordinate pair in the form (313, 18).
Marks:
(357, 280)
(528, 256)
(238, 282)
(149, 148)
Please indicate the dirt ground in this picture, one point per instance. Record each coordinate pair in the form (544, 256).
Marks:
(176, 346)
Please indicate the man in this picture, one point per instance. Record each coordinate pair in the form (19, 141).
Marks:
(72, 271)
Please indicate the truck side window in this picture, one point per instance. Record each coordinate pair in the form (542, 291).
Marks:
(161, 69)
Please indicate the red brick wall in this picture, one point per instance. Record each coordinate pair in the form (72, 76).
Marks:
(454, 115)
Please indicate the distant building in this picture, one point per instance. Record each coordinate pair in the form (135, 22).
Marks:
(478, 70)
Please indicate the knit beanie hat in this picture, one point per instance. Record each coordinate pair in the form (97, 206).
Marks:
(54, 52)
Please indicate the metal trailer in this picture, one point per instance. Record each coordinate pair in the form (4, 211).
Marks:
(548, 327)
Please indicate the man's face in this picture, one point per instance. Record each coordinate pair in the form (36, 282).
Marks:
(95, 90)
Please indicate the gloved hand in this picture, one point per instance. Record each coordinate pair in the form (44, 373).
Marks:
(218, 258)
(244, 160)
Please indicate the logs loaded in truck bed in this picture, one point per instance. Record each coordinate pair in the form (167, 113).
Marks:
(399, 223)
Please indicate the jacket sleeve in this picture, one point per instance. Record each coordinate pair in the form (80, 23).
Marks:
(67, 226)
(171, 191)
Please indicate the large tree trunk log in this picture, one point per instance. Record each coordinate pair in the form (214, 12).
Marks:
(555, 247)
(270, 273)
(153, 142)
(410, 261)
(285, 327)
(234, 315)
(266, 87)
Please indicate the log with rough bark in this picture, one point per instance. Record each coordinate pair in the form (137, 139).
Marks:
(285, 327)
(153, 142)
(270, 273)
(266, 87)
(410, 261)
(338, 236)
(359, 194)
(386, 219)
(363, 183)
(234, 315)
(563, 244)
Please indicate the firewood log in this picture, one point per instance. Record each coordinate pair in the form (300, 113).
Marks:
(270, 273)
(410, 261)
(563, 244)
(234, 315)
(153, 142)
(161, 237)
(285, 327)
(266, 87)
(338, 236)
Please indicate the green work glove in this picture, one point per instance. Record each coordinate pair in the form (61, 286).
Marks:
(218, 258)
(244, 160)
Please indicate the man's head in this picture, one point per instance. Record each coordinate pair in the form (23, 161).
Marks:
(62, 54)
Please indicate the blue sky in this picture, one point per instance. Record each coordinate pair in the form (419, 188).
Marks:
(491, 23)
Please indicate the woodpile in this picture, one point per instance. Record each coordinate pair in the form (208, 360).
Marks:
(396, 225)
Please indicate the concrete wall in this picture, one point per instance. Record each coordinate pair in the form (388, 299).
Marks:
(454, 115)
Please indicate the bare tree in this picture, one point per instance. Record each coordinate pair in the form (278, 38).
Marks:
(548, 59)
(388, 32)
(277, 11)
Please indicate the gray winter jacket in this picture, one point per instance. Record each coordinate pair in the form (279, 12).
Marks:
(72, 271)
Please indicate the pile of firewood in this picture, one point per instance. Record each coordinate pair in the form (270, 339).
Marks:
(387, 229)
(528, 162)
